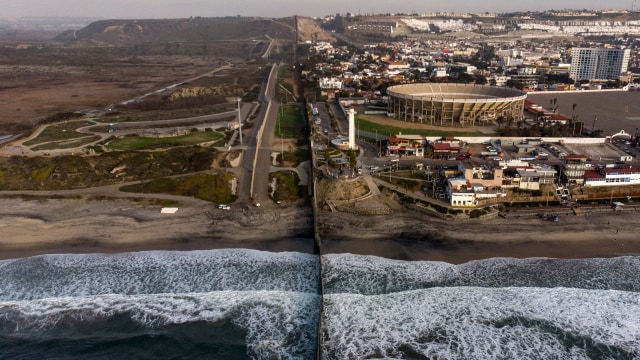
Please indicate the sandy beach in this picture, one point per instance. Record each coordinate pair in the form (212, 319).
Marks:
(88, 225)
(41, 225)
(406, 235)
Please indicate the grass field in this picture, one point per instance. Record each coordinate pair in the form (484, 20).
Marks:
(386, 130)
(290, 122)
(141, 142)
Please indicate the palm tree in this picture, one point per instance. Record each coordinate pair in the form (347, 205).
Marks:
(510, 120)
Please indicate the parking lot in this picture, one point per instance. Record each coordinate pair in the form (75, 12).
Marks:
(555, 152)
(600, 152)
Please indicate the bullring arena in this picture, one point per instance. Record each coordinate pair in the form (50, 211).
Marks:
(454, 104)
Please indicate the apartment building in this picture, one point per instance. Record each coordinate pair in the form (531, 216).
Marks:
(598, 63)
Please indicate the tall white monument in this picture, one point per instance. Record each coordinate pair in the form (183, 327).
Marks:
(352, 129)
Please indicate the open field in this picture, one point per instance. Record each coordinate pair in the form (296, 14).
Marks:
(387, 126)
(30, 93)
(140, 142)
(290, 122)
(38, 82)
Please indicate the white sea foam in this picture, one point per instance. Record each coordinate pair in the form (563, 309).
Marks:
(483, 323)
(278, 325)
(358, 274)
(155, 272)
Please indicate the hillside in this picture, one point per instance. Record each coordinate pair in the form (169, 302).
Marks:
(192, 30)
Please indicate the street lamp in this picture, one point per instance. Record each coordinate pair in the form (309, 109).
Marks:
(280, 109)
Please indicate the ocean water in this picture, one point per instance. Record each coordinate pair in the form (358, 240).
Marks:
(488, 309)
(246, 304)
(221, 304)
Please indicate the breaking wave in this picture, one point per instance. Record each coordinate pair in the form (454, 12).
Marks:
(157, 272)
(494, 308)
(370, 275)
(232, 304)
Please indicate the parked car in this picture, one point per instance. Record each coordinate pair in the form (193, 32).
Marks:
(224, 207)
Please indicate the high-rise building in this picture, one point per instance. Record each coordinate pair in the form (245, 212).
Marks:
(598, 63)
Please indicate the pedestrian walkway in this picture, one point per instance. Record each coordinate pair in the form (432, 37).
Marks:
(373, 187)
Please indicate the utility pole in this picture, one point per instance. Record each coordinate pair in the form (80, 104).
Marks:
(280, 132)
(239, 121)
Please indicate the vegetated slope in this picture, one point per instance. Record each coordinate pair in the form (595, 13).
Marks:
(75, 172)
(198, 30)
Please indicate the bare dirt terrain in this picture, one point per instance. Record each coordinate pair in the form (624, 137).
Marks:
(30, 93)
(309, 30)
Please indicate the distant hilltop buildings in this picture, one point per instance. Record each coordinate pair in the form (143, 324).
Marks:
(566, 22)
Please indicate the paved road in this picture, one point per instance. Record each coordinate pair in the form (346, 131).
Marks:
(256, 161)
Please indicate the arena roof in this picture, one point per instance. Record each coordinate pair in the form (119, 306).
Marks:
(455, 92)
(450, 104)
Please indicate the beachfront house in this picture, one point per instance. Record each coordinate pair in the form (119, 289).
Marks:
(613, 176)
(461, 193)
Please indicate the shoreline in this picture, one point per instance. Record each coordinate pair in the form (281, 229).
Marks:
(405, 235)
(80, 226)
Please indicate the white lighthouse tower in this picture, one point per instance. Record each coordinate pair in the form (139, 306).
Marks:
(352, 129)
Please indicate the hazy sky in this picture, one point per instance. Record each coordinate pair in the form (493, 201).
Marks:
(128, 9)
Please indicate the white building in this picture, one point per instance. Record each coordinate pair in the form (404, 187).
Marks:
(330, 83)
(598, 63)
(613, 176)
(460, 194)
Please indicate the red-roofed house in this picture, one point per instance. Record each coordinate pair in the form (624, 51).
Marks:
(406, 145)
(444, 150)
